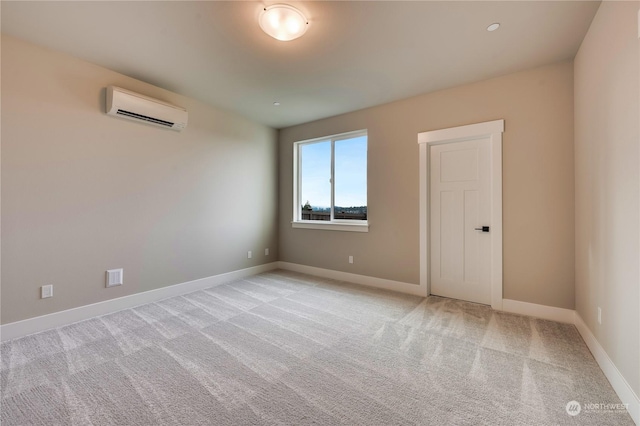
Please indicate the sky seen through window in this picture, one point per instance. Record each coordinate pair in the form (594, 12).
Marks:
(350, 173)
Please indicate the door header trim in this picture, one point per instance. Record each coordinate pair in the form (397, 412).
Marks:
(461, 132)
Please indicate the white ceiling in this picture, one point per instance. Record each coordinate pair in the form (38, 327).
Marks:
(355, 54)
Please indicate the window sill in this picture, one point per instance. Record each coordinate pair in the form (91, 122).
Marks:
(331, 226)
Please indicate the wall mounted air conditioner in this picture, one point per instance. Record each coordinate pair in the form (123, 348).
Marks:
(134, 106)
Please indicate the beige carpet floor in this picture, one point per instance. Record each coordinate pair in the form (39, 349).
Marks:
(289, 349)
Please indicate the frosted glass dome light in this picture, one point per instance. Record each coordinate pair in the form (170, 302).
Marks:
(283, 22)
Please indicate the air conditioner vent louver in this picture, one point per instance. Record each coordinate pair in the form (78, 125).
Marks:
(145, 118)
(143, 109)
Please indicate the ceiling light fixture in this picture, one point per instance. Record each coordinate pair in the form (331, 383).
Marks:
(276, 103)
(493, 27)
(283, 22)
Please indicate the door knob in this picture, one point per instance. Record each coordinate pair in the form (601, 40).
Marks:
(483, 229)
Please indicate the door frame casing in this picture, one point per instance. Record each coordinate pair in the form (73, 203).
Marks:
(493, 131)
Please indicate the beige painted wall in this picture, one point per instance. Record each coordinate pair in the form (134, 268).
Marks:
(537, 106)
(83, 192)
(607, 184)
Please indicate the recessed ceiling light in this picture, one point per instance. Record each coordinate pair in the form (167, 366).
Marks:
(276, 103)
(283, 22)
(493, 27)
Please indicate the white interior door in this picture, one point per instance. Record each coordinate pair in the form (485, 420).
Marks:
(460, 206)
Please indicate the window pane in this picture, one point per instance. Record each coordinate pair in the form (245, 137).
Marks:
(315, 181)
(351, 179)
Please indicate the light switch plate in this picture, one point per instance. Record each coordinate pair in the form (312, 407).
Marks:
(46, 291)
(115, 277)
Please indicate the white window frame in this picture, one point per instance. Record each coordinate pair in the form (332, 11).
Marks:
(333, 224)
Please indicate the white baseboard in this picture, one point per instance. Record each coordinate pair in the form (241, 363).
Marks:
(538, 311)
(365, 280)
(69, 316)
(617, 380)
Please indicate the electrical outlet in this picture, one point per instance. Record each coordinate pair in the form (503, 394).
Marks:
(350, 259)
(249, 255)
(266, 252)
(115, 277)
(46, 291)
(599, 315)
